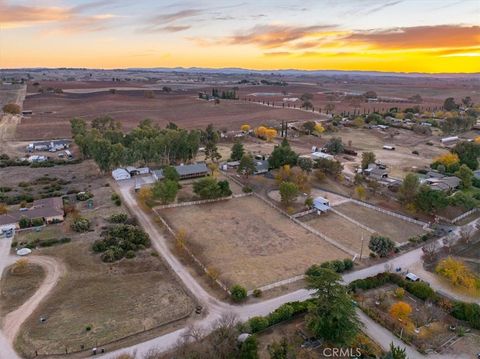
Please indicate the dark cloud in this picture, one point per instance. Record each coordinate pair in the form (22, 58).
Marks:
(179, 15)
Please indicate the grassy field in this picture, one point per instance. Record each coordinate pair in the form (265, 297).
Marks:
(248, 242)
(19, 285)
(341, 230)
(395, 228)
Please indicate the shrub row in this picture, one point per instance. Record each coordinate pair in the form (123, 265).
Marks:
(284, 312)
(469, 312)
(337, 265)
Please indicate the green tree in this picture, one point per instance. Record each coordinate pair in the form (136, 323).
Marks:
(332, 314)
(238, 293)
(210, 139)
(246, 166)
(466, 175)
(165, 191)
(429, 200)
(282, 155)
(249, 348)
(383, 246)
(306, 164)
(395, 352)
(367, 158)
(334, 145)
(449, 104)
(468, 153)
(408, 189)
(24, 222)
(170, 173)
(288, 193)
(237, 151)
(78, 126)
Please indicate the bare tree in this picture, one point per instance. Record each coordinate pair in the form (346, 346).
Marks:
(430, 251)
(466, 234)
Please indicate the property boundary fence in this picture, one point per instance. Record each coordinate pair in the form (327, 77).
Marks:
(304, 213)
(279, 283)
(390, 213)
(347, 218)
(190, 253)
(203, 201)
(308, 228)
(460, 217)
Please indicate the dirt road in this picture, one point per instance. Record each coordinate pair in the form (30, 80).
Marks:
(14, 320)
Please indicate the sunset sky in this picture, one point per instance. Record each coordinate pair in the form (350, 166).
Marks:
(388, 35)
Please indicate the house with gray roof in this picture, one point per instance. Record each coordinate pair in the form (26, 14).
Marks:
(185, 171)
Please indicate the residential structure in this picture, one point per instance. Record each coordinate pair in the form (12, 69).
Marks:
(50, 210)
(185, 171)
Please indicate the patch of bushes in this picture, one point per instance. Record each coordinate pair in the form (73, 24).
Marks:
(120, 241)
(84, 196)
(54, 241)
(337, 266)
(210, 188)
(118, 218)
(238, 293)
(80, 224)
(284, 312)
(116, 199)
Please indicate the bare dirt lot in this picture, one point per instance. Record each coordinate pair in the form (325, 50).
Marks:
(248, 242)
(395, 228)
(341, 230)
(52, 112)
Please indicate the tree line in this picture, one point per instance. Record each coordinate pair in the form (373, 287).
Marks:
(110, 147)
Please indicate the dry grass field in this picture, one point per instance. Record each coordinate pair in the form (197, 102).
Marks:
(248, 242)
(341, 230)
(395, 228)
(19, 285)
(114, 300)
(52, 112)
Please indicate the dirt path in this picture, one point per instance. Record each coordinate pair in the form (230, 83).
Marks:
(15, 319)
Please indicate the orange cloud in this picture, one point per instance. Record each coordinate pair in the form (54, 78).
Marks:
(440, 36)
(271, 36)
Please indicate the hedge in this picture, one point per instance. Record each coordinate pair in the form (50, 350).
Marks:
(284, 312)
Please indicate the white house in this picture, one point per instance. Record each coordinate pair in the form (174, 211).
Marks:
(321, 204)
(120, 174)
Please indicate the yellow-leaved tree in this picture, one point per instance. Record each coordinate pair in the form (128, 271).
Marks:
(270, 134)
(319, 128)
(401, 310)
(245, 128)
(456, 272)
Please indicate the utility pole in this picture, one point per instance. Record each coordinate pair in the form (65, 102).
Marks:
(361, 249)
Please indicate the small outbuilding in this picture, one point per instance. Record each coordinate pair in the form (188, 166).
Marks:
(120, 174)
(321, 204)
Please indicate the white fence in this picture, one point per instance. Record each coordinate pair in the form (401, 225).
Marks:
(368, 229)
(460, 217)
(203, 201)
(390, 213)
(304, 213)
(279, 283)
(308, 228)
